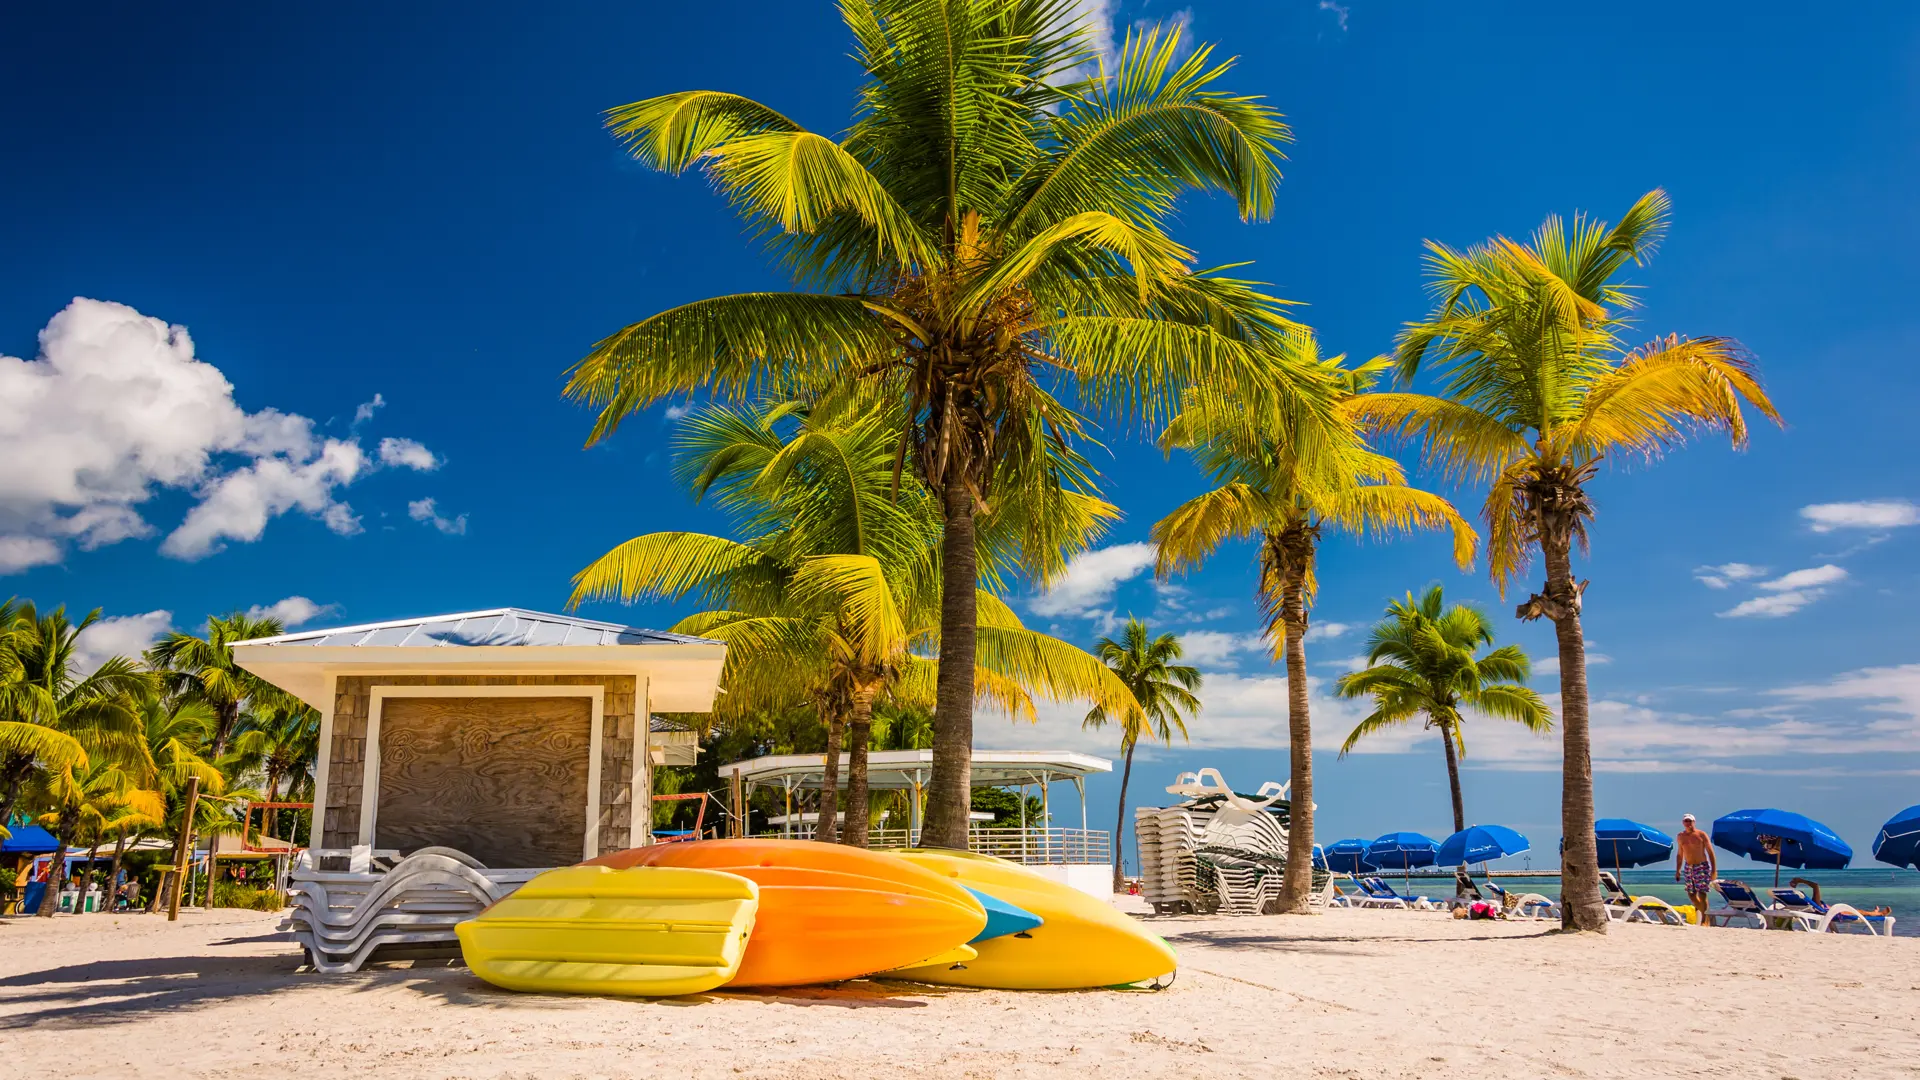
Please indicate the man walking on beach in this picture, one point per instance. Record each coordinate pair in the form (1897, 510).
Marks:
(1697, 867)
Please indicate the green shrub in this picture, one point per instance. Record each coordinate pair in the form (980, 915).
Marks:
(231, 895)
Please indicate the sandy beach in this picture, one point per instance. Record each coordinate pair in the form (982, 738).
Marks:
(1346, 994)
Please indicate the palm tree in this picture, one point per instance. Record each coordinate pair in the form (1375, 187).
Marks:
(1422, 661)
(1285, 479)
(61, 720)
(1164, 692)
(832, 600)
(991, 224)
(1540, 390)
(202, 668)
(281, 742)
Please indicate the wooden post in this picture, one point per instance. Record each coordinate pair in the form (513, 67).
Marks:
(739, 823)
(183, 849)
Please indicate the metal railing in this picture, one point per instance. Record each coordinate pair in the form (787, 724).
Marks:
(1032, 847)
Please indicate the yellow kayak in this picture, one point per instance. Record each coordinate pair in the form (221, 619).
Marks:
(1081, 941)
(645, 932)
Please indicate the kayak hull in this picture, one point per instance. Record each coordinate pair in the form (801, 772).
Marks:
(1081, 942)
(633, 933)
(828, 912)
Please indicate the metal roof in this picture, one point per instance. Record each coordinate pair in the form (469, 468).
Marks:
(902, 769)
(496, 627)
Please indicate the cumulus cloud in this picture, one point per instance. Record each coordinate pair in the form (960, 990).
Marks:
(423, 511)
(122, 635)
(1216, 648)
(1090, 578)
(1788, 593)
(366, 409)
(406, 453)
(1720, 577)
(292, 612)
(117, 407)
(1327, 631)
(679, 412)
(1874, 514)
(1097, 17)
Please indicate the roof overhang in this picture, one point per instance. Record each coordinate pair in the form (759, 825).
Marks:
(680, 676)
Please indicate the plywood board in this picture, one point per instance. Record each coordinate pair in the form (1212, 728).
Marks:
(502, 779)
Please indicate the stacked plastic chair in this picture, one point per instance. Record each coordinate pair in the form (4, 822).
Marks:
(1219, 851)
(344, 918)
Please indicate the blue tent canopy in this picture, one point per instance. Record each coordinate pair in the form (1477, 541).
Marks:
(1625, 842)
(28, 840)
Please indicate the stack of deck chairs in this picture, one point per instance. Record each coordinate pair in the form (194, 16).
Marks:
(351, 908)
(1218, 851)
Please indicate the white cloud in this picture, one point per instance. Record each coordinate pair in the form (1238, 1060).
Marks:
(1090, 578)
(1206, 648)
(292, 612)
(407, 453)
(1327, 631)
(1719, 577)
(422, 510)
(679, 412)
(238, 505)
(1550, 665)
(122, 635)
(19, 553)
(117, 407)
(1340, 12)
(1875, 514)
(367, 408)
(1813, 577)
(1097, 17)
(1790, 592)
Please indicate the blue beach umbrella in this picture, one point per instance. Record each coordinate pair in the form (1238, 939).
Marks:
(1899, 839)
(1480, 843)
(1348, 857)
(1624, 842)
(1782, 838)
(1403, 851)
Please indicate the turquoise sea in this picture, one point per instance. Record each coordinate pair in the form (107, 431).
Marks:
(1864, 888)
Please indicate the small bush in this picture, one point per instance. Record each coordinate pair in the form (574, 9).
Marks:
(228, 894)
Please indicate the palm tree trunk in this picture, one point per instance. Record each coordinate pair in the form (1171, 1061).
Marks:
(57, 872)
(1580, 904)
(1120, 824)
(1298, 882)
(826, 828)
(859, 733)
(113, 875)
(1453, 776)
(950, 796)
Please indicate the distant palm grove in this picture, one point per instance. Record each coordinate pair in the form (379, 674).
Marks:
(984, 266)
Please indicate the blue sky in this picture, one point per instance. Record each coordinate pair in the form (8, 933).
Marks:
(389, 230)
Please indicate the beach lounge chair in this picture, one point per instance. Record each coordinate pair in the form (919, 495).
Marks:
(1530, 905)
(1625, 907)
(1742, 903)
(1378, 893)
(1811, 914)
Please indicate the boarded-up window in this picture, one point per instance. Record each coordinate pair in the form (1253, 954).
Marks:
(502, 779)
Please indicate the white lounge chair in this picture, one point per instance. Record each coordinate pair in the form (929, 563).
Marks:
(1529, 905)
(1810, 914)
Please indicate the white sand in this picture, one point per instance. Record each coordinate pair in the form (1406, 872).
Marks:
(1347, 994)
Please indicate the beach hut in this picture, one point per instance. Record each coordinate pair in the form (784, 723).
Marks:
(505, 734)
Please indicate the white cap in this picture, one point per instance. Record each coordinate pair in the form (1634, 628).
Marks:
(1688, 817)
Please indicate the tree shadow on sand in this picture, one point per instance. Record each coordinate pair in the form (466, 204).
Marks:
(1324, 944)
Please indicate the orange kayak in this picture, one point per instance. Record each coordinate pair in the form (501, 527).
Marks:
(828, 912)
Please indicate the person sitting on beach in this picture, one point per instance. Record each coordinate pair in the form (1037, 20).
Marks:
(1696, 866)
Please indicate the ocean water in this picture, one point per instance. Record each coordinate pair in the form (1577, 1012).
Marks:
(1898, 890)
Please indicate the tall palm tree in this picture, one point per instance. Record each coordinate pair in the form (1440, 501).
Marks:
(27, 741)
(1284, 480)
(281, 742)
(1423, 660)
(1164, 692)
(834, 596)
(202, 668)
(62, 720)
(992, 224)
(1540, 389)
